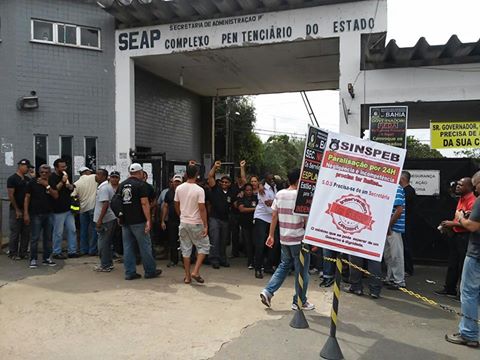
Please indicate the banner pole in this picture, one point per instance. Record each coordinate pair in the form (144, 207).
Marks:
(331, 350)
(299, 321)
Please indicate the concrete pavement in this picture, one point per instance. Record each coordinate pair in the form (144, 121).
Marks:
(72, 312)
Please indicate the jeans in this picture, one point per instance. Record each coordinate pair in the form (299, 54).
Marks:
(393, 254)
(457, 250)
(218, 231)
(61, 221)
(135, 233)
(19, 235)
(88, 234)
(105, 237)
(260, 234)
(374, 267)
(470, 298)
(41, 223)
(290, 254)
(329, 266)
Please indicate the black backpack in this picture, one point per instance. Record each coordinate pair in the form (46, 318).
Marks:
(116, 204)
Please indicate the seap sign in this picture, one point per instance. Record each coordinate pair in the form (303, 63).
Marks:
(246, 30)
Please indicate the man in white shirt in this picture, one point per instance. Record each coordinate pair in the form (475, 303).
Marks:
(292, 231)
(86, 189)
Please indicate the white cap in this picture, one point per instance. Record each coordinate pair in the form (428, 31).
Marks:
(178, 177)
(135, 167)
(84, 168)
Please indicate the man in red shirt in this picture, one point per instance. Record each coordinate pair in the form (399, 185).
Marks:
(457, 244)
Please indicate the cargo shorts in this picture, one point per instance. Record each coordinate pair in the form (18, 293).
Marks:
(191, 234)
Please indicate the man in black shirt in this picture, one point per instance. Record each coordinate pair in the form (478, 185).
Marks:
(37, 212)
(221, 198)
(170, 220)
(136, 224)
(246, 206)
(62, 216)
(407, 237)
(19, 231)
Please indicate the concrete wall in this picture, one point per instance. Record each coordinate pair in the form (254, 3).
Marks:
(168, 118)
(76, 87)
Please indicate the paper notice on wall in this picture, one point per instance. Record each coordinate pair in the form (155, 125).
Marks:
(51, 159)
(122, 168)
(179, 169)
(9, 158)
(147, 167)
(78, 162)
(353, 201)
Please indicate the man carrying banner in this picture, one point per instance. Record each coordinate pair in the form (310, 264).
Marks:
(292, 231)
(393, 252)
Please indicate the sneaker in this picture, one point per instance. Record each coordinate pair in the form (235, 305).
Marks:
(374, 296)
(307, 306)
(154, 275)
(33, 264)
(266, 298)
(445, 292)
(133, 277)
(313, 271)
(327, 282)
(59, 256)
(460, 340)
(171, 264)
(100, 268)
(357, 292)
(394, 286)
(49, 262)
(250, 267)
(259, 274)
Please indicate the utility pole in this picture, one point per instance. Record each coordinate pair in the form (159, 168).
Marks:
(227, 130)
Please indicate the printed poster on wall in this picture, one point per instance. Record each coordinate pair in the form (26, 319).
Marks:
(312, 157)
(388, 125)
(353, 201)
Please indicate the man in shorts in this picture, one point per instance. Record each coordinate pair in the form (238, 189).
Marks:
(193, 230)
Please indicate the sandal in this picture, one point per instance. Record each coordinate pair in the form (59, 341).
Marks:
(198, 279)
(185, 281)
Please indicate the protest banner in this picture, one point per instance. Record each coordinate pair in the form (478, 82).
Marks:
(353, 201)
(388, 125)
(452, 135)
(312, 157)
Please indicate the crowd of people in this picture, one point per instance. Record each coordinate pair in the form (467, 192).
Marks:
(201, 218)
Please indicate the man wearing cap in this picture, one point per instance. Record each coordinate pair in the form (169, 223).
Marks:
(170, 220)
(85, 189)
(19, 231)
(62, 216)
(136, 224)
(114, 181)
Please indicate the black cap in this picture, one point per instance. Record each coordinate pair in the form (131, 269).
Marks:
(26, 162)
(115, 173)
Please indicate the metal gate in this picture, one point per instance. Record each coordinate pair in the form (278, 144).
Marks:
(428, 244)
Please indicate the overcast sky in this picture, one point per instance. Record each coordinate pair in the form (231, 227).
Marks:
(408, 20)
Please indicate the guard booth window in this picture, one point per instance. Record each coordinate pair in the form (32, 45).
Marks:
(40, 148)
(91, 153)
(66, 153)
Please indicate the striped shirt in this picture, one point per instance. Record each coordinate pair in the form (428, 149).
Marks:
(399, 225)
(291, 226)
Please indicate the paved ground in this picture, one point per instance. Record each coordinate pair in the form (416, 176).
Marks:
(71, 312)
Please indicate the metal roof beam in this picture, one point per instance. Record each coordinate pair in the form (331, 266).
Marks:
(226, 6)
(204, 8)
(249, 5)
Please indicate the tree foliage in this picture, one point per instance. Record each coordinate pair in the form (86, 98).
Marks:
(417, 150)
(282, 154)
(468, 153)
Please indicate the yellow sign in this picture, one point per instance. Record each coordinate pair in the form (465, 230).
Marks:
(451, 135)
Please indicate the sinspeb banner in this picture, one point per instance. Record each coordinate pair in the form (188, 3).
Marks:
(312, 159)
(353, 201)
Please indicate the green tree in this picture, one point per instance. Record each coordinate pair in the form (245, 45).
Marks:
(468, 153)
(417, 150)
(282, 153)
